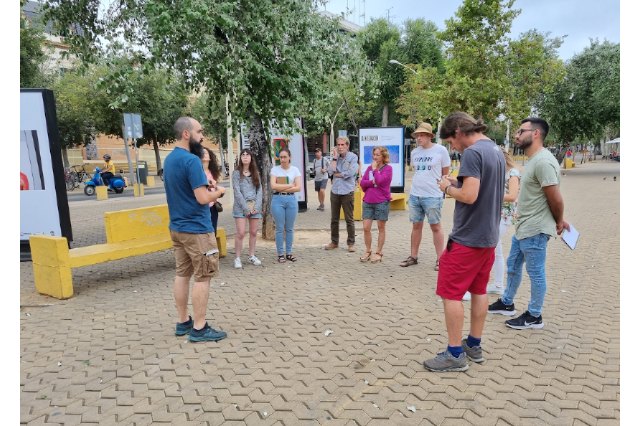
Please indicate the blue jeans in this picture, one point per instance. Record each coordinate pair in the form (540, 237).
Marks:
(533, 252)
(284, 209)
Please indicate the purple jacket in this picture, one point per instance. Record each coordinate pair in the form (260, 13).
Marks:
(381, 192)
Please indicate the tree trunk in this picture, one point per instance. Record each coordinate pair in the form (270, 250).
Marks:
(156, 150)
(385, 115)
(262, 151)
(65, 157)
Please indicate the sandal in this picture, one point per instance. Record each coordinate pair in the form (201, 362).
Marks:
(409, 261)
(376, 258)
(365, 257)
(291, 257)
(281, 258)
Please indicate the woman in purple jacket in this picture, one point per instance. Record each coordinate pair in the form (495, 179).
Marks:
(376, 184)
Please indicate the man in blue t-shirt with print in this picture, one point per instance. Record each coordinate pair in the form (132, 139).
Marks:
(194, 241)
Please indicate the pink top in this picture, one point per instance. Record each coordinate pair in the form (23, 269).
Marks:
(381, 191)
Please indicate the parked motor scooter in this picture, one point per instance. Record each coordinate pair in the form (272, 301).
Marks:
(116, 183)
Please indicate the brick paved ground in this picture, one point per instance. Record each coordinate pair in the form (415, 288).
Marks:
(108, 355)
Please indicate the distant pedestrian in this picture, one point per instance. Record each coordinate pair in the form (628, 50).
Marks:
(247, 205)
(512, 187)
(194, 241)
(212, 171)
(376, 184)
(286, 180)
(321, 176)
(540, 215)
(466, 262)
(430, 161)
(344, 167)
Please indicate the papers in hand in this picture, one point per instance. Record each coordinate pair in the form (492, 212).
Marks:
(570, 236)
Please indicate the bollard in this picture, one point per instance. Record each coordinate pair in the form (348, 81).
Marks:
(101, 193)
(138, 190)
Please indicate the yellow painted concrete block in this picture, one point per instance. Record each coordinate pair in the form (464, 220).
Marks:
(51, 266)
(101, 193)
(138, 190)
(151, 181)
(221, 239)
(137, 223)
(358, 195)
(398, 201)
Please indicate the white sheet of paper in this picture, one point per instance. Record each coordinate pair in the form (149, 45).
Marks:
(571, 237)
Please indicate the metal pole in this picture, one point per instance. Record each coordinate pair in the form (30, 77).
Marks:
(126, 150)
(229, 138)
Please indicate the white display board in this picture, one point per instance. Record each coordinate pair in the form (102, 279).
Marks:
(295, 143)
(393, 139)
(43, 199)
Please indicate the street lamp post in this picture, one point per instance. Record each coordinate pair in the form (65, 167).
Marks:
(394, 62)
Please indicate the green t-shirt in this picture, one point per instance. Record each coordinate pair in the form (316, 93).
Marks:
(533, 215)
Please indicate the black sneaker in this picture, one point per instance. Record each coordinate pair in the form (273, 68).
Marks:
(524, 321)
(207, 334)
(183, 328)
(498, 307)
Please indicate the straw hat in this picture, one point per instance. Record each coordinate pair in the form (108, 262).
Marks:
(423, 128)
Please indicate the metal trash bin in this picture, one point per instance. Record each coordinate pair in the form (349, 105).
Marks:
(143, 172)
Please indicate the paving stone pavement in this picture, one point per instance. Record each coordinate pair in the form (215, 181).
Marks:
(325, 340)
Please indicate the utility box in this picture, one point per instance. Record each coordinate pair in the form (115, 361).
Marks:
(143, 172)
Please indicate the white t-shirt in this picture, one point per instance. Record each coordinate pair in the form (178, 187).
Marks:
(428, 164)
(291, 173)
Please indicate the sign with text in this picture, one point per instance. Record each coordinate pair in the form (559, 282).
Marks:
(391, 138)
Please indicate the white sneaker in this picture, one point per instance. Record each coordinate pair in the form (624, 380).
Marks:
(494, 289)
(466, 297)
(237, 263)
(254, 260)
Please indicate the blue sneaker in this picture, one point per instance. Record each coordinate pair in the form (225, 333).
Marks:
(207, 334)
(183, 328)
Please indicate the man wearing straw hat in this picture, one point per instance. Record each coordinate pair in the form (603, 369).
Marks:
(430, 162)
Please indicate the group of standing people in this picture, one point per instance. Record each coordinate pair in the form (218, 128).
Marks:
(485, 191)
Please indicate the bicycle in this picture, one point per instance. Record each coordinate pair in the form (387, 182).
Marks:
(81, 174)
(70, 179)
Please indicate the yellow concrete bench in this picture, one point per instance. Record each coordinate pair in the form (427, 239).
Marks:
(129, 233)
(399, 201)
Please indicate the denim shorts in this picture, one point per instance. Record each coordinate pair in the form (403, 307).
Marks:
(321, 184)
(375, 211)
(419, 207)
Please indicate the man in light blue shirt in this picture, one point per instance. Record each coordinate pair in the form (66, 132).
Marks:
(344, 168)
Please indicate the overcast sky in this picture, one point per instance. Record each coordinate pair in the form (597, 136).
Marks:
(579, 20)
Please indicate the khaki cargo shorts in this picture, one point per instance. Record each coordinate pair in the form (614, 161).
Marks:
(191, 255)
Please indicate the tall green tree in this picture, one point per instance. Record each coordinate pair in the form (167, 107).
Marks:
(86, 108)
(31, 54)
(586, 103)
(268, 57)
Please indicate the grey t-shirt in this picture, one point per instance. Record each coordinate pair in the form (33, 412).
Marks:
(477, 224)
(318, 165)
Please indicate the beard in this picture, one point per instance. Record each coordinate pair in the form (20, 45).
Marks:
(195, 147)
(525, 143)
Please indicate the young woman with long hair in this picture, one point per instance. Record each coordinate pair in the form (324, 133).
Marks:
(247, 205)
(285, 181)
(212, 171)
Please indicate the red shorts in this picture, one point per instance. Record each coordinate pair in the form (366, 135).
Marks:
(464, 269)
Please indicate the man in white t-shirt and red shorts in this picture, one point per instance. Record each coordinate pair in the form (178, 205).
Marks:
(430, 162)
